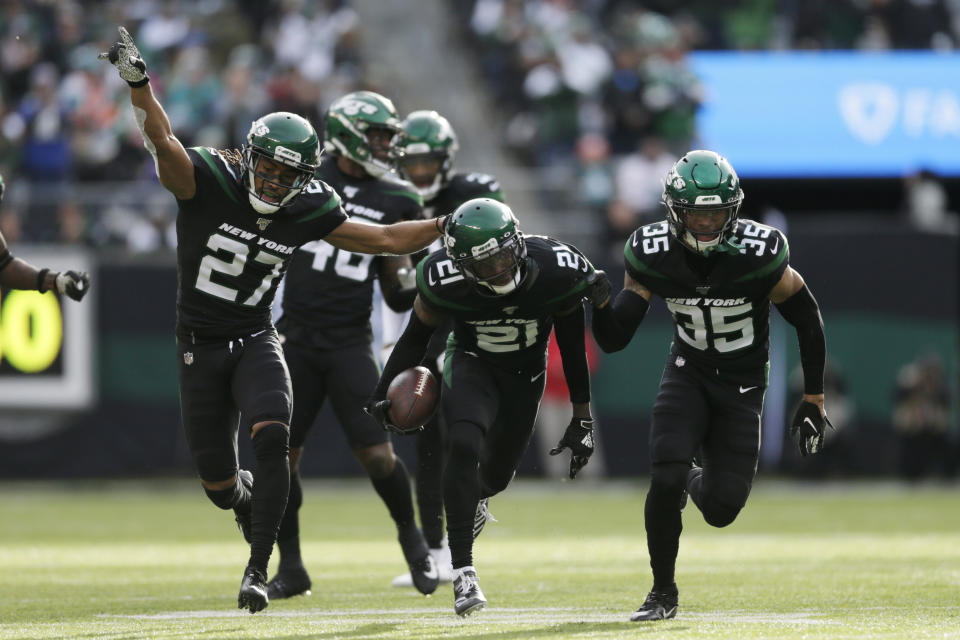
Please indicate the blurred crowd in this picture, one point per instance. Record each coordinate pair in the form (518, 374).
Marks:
(597, 94)
(70, 151)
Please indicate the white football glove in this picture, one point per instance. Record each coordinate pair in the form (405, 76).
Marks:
(125, 56)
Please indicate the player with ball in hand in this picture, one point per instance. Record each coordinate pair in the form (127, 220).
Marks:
(504, 292)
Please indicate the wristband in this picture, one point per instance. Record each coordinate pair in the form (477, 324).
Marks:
(41, 277)
(139, 83)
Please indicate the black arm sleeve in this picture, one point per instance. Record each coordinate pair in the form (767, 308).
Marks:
(615, 324)
(569, 330)
(406, 353)
(801, 310)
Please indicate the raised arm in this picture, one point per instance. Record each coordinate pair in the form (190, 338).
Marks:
(170, 158)
(399, 238)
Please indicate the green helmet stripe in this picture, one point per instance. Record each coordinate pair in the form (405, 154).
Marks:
(222, 179)
(332, 203)
(770, 268)
(431, 296)
(636, 264)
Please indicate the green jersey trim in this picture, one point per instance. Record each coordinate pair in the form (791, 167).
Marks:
(222, 179)
(580, 287)
(416, 197)
(767, 269)
(639, 266)
(431, 297)
(333, 202)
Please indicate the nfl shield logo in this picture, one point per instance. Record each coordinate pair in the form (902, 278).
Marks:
(681, 361)
(263, 223)
(188, 358)
(703, 290)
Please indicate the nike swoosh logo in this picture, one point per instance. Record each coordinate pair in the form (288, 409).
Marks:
(534, 378)
(745, 389)
(432, 574)
(775, 245)
(810, 422)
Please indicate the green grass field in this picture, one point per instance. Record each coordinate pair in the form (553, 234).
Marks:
(565, 560)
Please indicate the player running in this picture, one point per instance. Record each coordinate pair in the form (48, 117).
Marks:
(504, 291)
(718, 275)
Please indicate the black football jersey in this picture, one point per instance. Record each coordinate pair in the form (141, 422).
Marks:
(510, 331)
(230, 258)
(460, 188)
(328, 294)
(719, 304)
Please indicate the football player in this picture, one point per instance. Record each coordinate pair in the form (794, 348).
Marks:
(718, 274)
(16, 273)
(426, 150)
(241, 216)
(326, 328)
(504, 292)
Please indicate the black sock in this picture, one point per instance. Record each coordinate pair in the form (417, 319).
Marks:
(288, 536)
(430, 482)
(461, 491)
(661, 515)
(270, 490)
(394, 490)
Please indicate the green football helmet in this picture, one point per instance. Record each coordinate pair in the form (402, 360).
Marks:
(426, 148)
(363, 127)
(486, 245)
(703, 196)
(291, 147)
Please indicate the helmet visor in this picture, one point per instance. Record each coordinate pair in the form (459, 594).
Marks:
(421, 168)
(274, 180)
(496, 269)
(703, 223)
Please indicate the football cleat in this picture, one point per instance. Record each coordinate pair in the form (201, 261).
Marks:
(482, 516)
(467, 596)
(253, 591)
(423, 571)
(245, 520)
(441, 560)
(288, 583)
(659, 605)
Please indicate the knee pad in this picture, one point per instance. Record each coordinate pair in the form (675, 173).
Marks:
(271, 440)
(723, 496)
(225, 498)
(466, 441)
(668, 480)
(272, 405)
(378, 461)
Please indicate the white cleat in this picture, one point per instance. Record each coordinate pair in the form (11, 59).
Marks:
(441, 559)
(467, 596)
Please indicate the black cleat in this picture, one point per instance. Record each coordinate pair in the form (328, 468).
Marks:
(659, 605)
(253, 591)
(423, 571)
(482, 516)
(467, 596)
(245, 520)
(288, 583)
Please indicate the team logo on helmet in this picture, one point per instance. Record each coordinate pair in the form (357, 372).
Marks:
(259, 128)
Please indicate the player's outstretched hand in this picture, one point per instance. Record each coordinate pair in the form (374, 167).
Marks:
(598, 291)
(807, 428)
(73, 284)
(125, 56)
(579, 439)
(379, 410)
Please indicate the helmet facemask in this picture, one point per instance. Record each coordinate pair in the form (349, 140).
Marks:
(427, 171)
(705, 227)
(281, 179)
(496, 266)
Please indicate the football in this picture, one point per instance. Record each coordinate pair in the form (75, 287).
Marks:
(413, 397)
